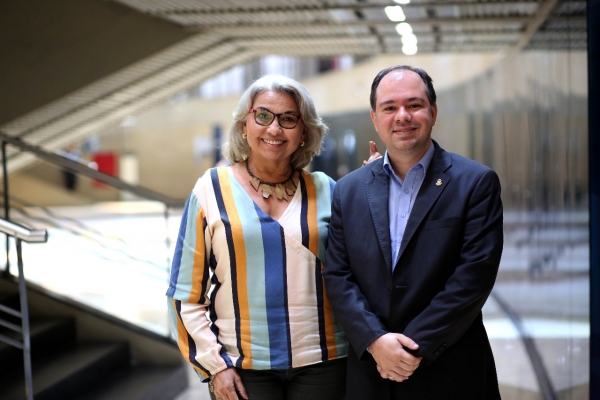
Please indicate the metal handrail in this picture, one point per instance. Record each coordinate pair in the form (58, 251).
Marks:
(20, 232)
(90, 172)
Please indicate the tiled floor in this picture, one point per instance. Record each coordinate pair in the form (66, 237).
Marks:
(196, 391)
(545, 284)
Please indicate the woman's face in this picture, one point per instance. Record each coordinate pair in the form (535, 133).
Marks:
(273, 143)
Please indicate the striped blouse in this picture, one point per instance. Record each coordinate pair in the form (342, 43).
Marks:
(246, 290)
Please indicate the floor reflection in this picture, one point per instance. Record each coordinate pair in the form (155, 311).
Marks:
(115, 257)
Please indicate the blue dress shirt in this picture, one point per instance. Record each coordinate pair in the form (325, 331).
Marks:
(402, 197)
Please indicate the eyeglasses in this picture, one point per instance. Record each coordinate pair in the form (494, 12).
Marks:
(264, 117)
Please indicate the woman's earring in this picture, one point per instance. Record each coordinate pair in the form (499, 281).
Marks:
(302, 144)
(244, 136)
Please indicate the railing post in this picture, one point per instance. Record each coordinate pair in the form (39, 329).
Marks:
(25, 324)
(21, 234)
(6, 206)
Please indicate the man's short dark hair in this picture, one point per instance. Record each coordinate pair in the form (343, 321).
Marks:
(429, 90)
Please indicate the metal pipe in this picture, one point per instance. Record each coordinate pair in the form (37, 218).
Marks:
(87, 171)
(10, 311)
(22, 233)
(25, 325)
(10, 341)
(6, 206)
(328, 6)
(5, 180)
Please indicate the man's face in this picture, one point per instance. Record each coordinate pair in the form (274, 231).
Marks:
(403, 117)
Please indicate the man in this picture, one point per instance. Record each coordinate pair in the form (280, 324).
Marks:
(415, 241)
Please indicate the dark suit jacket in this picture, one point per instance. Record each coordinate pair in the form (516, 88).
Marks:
(446, 269)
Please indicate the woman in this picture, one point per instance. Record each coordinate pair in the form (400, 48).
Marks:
(247, 300)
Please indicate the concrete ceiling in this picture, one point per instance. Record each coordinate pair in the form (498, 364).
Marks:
(70, 69)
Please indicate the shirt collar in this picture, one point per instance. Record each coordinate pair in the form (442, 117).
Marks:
(424, 162)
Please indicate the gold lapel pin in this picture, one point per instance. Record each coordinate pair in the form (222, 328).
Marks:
(438, 183)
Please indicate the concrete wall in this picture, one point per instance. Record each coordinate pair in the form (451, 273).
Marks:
(52, 48)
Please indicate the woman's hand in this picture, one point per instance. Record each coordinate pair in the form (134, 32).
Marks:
(374, 153)
(227, 385)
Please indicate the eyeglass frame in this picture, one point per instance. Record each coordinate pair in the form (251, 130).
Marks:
(253, 111)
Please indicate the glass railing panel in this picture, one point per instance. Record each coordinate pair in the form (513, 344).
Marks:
(531, 127)
(108, 254)
(527, 119)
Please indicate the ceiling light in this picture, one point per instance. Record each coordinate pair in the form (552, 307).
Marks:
(402, 1)
(409, 49)
(403, 28)
(395, 13)
(410, 39)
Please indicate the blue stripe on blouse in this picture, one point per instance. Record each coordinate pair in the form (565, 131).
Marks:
(257, 303)
(232, 259)
(178, 251)
(275, 273)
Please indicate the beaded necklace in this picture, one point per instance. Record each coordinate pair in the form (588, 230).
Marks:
(283, 189)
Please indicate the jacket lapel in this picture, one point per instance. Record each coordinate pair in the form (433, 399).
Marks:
(377, 195)
(428, 193)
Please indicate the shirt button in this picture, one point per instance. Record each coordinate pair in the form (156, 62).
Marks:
(405, 190)
(403, 215)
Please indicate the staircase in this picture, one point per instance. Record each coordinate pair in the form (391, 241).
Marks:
(81, 353)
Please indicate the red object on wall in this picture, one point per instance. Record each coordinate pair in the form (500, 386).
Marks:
(107, 163)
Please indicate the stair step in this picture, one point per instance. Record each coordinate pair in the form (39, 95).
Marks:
(64, 369)
(69, 372)
(142, 382)
(47, 335)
